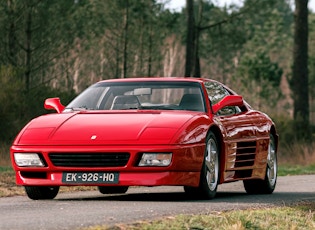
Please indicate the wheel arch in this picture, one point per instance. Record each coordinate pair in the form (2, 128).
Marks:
(273, 131)
(218, 134)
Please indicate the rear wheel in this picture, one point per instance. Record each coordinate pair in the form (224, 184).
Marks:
(41, 192)
(268, 185)
(113, 189)
(209, 176)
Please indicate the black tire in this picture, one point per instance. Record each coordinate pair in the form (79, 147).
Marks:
(112, 189)
(268, 185)
(41, 192)
(209, 176)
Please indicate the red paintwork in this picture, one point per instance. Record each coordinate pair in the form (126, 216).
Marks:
(111, 128)
(50, 102)
(181, 132)
(227, 101)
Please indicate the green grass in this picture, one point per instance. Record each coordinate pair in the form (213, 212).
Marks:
(289, 170)
(297, 217)
(6, 169)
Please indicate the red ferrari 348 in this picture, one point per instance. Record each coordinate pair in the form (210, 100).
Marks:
(189, 132)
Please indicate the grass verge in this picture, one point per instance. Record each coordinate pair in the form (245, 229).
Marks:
(300, 216)
(7, 183)
(289, 170)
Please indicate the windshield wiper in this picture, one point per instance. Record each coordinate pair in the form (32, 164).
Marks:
(82, 108)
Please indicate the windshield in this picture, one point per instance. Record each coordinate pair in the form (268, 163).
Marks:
(140, 95)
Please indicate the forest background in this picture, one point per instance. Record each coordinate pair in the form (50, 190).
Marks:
(58, 48)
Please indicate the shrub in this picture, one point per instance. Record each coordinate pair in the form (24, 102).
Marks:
(17, 106)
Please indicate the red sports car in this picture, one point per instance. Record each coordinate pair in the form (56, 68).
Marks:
(189, 132)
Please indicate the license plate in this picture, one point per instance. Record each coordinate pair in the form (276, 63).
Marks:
(90, 177)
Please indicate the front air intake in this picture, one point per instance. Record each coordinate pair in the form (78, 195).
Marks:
(89, 159)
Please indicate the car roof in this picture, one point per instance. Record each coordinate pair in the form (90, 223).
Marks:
(171, 79)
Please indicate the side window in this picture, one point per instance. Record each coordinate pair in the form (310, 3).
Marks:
(216, 92)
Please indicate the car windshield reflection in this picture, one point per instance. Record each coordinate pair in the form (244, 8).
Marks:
(147, 96)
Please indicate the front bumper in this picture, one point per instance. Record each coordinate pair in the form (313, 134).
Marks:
(183, 170)
(125, 179)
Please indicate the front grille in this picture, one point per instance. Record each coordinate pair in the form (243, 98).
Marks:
(89, 159)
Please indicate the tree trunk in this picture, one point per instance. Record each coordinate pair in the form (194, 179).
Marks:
(126, 39)
(190, 40)
(300, 70)
(196, 66)
(28, 50)
(150, 51)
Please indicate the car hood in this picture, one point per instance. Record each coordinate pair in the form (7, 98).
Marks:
(108, 128)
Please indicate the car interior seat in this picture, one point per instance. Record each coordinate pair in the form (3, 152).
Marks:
(192, 102)
(125, 102)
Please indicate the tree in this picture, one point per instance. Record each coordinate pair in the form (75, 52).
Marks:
(311, 60)
(260, 78)
(38, 35)
(190, 39)
(299, 81)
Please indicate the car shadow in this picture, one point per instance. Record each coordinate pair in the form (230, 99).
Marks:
(159, 197)
(231, 197)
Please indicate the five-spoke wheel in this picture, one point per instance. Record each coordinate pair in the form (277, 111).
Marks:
(209, 176)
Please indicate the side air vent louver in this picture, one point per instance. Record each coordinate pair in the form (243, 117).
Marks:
(245, 154)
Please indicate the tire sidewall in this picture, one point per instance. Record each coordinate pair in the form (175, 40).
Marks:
(204, 186)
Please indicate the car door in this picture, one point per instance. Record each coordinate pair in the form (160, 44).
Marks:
(239, 130)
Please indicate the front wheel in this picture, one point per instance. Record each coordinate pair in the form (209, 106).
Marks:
(209, 176)
(268, 185)
(41, 192)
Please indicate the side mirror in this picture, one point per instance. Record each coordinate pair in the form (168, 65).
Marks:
(230, 100)
(54, 103)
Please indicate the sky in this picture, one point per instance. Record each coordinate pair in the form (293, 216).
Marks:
(178, 4)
